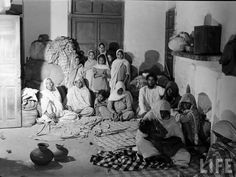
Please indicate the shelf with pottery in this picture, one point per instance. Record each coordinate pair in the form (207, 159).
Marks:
(193, 56)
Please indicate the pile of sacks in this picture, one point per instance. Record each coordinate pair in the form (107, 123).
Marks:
(30, 107)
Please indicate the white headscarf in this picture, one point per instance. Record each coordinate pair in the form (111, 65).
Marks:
(226, 129)
(160, 105)
(102, 66)
(114, 96)
(79, 98)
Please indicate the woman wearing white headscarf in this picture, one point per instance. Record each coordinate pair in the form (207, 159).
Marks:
(222, 153)
(101, 74)
(77, 71)
(147, 145)
(88, 68)
(120, 70)
(120, 103)
(79, 99)
(51, 104)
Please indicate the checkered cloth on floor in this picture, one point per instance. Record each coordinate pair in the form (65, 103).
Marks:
(127, 160)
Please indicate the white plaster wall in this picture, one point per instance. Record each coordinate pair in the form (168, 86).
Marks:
(206, 77)
(59, 18)
(144, 29)
(192, 13)
(44, 17)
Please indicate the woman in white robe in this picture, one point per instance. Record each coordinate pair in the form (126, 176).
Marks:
(88, 68)
(79, 99)
(120, 70)
(51, 104)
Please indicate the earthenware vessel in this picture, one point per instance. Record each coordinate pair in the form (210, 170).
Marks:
(61, 153)
(41, 155)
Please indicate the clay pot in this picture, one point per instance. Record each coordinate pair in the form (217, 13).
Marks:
(41, 155)
(61, 153)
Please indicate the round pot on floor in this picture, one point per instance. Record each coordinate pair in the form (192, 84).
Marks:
(61, 153)
(41, 155)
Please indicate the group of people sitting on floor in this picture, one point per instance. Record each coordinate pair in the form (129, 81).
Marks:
(169, 123)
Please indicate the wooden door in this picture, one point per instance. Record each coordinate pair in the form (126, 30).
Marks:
(90, 31)
(84, 29)
(10, 70)
(110, 30)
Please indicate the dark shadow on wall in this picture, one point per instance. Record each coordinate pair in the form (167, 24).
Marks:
(133, 70)
(151, 63)
(229, 115)
(204, 103)
(113, 46)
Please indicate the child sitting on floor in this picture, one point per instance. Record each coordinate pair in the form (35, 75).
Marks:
(100, 105)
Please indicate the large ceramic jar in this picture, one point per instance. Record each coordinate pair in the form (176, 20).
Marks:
(41, 155)
(61, 153)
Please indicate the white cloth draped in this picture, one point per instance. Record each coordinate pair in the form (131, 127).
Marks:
(78, 98)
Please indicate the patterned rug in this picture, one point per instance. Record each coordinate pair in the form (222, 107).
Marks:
(115, 135)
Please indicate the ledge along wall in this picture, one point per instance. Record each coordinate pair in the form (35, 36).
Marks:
(206, 76)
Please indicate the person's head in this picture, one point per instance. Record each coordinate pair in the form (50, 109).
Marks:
(77, 61)
(186, 105)
(120, 87)
(172, 90)
(79, 83)
(101, 47)
(151, 80)
(81, 52)
(120, 91)
(49, 84)
(91, 55)
(110, 56)
(187, 101)
(101, 95)
(164, 108)
(119, 54)
(224, 131)
(102, 59)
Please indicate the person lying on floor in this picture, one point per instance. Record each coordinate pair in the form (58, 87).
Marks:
(78, 99)
(51, 104)
(160, 134)
(189, 118)
(120, 103)
(149, 95)
(100, 105)
(172, 94)
(221, 157)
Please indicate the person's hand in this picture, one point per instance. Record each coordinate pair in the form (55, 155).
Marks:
(77, 111)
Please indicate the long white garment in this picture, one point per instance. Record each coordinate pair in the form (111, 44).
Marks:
(115, 67)
(148, 97)
(78, 98)
(52, 103)
(52, 98)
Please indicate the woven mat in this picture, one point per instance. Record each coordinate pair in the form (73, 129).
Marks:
(116, 135)
(173, 172)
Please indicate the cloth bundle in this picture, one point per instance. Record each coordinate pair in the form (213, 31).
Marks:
(128, 160)
(62, 51)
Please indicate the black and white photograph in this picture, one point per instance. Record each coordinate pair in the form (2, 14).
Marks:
(117, 88)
